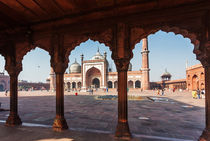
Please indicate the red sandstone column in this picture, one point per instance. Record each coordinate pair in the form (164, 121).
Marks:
(13, 118)
(206, 133)
(59, 122)
(145, 65)
(122, 130)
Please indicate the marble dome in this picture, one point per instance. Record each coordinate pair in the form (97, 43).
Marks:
(75, 68)
(97, 56)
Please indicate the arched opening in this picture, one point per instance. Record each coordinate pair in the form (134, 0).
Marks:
(93, 78)
(115, 84)
(109, 84)
(4, 76)
(3, 84)
(73, 85)
(90, 66)
(2, 87)
(202, 86)
(33, 87)
(68, 86)
(195, 82)
(168, 54)
(79, 84)
(138, 84)
(96, 83)
(202, 76)
(36, 70)
(130, 84)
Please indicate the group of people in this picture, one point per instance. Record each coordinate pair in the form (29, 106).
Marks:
(198, 94)
(162, 91)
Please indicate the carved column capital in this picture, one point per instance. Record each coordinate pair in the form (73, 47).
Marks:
(59, 60)
(122, 64)
(59, 67)
(13, 67)
(204, 56)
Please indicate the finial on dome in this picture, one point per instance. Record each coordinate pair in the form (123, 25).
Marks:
(75, 60)
(98, 49)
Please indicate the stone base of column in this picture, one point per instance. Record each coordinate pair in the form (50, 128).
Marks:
(123, 131)
(60, 124)
(13, 120)
(205, 135)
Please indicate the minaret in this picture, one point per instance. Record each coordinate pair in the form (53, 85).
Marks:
(52, 80)
(105, 70)
(82, 58)
(145, 84)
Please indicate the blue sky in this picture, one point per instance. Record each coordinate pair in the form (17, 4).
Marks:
(167, 51)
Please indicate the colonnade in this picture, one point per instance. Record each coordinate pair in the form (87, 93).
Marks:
(121, 54)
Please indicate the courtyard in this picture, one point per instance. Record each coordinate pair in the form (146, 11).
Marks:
(174, 116)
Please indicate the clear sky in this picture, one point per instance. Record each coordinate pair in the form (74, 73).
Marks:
(167, 51)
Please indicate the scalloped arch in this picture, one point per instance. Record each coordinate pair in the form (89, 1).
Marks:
(176, 30)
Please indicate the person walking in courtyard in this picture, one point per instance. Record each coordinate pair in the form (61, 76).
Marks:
(158, 92)
(198, 93)
(163, 91)
(6, 92)
(194, 94)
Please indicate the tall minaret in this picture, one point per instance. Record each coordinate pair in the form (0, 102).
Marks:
(145, 84)
(52, 80)
(82, 59)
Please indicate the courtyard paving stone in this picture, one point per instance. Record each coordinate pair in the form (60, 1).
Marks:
(181, 117)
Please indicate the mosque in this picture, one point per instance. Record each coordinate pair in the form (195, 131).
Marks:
(96, 73)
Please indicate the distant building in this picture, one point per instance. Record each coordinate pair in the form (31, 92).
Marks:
(4, 82)
(96, 73)
(25, 86)
(195, 77)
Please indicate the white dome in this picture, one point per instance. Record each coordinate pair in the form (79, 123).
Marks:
(75, 68)
(97, 56)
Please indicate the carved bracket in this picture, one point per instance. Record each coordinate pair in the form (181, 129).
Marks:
(12, 66)
(122, 64)
(59, 62)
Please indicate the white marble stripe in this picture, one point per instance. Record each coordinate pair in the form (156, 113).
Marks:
(105, 132)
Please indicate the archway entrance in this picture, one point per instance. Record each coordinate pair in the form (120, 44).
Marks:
(137, 84)
(1, 87)
(68, 86)
(130, 84)
(195, 82)
(96, 82)
(109, 84)
(73, 85)
(93, 77)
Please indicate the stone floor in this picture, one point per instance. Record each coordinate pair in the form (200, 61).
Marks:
(177, 117)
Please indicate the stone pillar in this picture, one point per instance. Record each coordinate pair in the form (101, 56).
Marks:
(13, 69)
(59, 63)
(121, 55)
(59, 122)
(145, 65)
(122, 130)
(206, 133)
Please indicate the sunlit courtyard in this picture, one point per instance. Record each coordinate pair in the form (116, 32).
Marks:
(173, 116)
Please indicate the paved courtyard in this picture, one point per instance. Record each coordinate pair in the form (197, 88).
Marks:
(175, 117)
